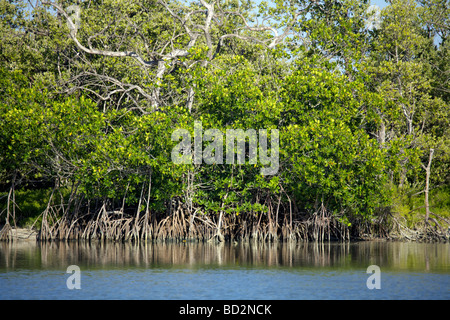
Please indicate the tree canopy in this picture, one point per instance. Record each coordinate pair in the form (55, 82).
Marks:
(91, 92)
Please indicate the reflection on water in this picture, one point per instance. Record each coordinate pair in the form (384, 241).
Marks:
(388, 255)
(226, 271)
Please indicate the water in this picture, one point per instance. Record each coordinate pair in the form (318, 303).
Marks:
(228, 271)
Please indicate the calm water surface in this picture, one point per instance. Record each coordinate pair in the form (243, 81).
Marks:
(227, 271)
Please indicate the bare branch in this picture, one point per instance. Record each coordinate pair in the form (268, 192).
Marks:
(176, 53)
(195, 22)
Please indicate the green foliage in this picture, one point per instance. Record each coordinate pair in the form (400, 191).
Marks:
(331, 157)
(409, 205)
(358, 109)
(30, 206)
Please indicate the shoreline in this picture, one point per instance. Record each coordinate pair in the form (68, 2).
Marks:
(21, 234)
(29, 235)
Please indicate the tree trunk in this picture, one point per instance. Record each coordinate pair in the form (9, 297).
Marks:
(427, 186)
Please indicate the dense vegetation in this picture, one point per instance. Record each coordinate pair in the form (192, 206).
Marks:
(91, 93)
